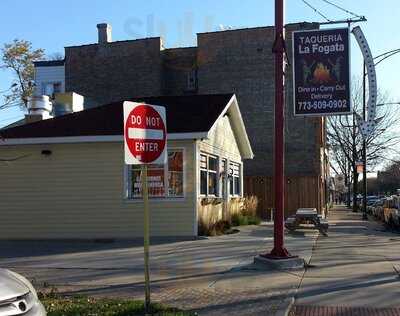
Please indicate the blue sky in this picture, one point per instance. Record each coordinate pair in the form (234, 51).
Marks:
(53, 25)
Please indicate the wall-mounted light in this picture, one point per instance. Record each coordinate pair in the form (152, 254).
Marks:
(46, 152)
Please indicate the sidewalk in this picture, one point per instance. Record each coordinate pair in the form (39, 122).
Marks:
(214, 276)
(356, 268)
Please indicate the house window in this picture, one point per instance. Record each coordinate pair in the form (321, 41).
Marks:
(163, 180)
(49, 88)
(175, 174)
(223, 178)
(57, 87)
(235, 184)
(155, 178)
(192, 80)
(208, 175)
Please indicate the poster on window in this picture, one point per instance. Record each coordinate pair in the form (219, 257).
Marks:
(175, 173)
(321, 76)
(156, 182)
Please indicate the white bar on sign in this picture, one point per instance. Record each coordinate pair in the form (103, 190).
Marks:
(142, 133)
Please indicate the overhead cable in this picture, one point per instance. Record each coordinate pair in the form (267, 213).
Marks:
(317, 11)
(343, 9)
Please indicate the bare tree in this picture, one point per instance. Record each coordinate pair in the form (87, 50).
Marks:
(55, 56)
(345, 139)
(388, 179)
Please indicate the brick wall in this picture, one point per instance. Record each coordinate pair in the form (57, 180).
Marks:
(242, 61)
(239, 61)
(177, 64)
(114, 71)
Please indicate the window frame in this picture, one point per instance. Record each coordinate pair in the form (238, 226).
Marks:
(127, 190)
(208, 171)
(45, 83)
(224, 179)
(232, 178)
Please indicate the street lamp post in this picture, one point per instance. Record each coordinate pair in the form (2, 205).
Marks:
(364, 152)
(383, 56)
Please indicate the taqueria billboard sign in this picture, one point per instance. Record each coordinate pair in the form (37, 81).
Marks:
(321, 76)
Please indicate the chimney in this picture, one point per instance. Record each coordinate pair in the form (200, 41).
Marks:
(104, 31)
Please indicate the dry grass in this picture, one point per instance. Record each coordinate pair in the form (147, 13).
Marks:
(250, 204)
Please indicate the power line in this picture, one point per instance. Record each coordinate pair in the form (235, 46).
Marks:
(343, 9)
(11, 118)
(316, 10)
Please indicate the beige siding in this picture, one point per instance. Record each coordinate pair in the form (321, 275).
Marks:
(78, 192)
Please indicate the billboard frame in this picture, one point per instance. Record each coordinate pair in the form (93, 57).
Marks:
(323, 114)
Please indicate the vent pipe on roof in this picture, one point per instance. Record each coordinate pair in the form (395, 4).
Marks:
(68, 102)
(39, 108)
(104, 31)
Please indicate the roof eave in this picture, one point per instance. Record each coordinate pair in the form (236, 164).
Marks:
(90, 139)
(232, 108)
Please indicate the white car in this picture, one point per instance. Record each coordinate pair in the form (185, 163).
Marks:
(17, 296)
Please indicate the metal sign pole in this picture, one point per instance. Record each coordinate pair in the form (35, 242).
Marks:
(141, 123)
(146, 237)
(279, 249)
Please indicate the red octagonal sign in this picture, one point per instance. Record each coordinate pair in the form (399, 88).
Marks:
(145, 133)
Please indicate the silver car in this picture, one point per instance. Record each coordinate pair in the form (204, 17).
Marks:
(17, 296)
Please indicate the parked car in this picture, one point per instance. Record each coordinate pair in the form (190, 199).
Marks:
(372, 199)
(377, 212)
(391, 211)
(17, 296)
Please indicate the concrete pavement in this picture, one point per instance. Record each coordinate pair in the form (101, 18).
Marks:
(355, 268)
(213, 276)
(353, 271)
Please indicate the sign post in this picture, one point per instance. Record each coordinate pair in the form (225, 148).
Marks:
(146, 237)
(321, 76)
(145, 136)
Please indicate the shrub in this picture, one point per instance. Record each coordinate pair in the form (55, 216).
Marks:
(239, 220)
(213, 228)
(254, 220)
(242, 220)
(222, 226)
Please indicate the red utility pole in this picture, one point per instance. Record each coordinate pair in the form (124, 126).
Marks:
(279, 251)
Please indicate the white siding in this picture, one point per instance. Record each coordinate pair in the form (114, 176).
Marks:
(222, 143)
(49, 74)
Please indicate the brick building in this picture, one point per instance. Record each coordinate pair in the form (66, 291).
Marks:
(233, 61)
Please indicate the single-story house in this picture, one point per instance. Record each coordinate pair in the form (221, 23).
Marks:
(65, 177)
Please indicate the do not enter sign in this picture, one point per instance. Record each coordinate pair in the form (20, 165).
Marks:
(145, 133)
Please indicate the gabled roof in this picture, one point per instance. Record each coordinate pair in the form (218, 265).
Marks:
(188, 117)
(185, 114)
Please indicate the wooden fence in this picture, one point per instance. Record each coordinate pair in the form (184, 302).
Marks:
(307, 191)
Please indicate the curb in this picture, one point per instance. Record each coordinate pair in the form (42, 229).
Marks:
(285, 307)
